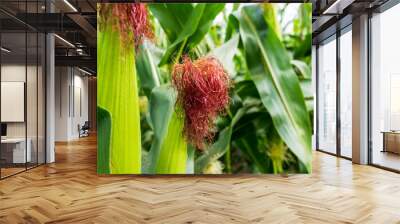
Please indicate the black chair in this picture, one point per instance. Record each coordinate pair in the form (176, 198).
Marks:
(84, 130)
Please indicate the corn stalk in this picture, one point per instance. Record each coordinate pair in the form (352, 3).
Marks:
(168, 154)
(118, 94)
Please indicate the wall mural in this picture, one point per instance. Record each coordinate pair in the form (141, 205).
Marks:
(204, 88)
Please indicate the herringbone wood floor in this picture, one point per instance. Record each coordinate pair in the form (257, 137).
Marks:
(69, 191)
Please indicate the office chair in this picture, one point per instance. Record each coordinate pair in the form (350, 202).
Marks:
(84, 130)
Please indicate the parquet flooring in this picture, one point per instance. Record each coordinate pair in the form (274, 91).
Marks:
(10, 171)
(69, 191)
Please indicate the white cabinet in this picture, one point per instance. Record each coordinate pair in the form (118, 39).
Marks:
(19, 155)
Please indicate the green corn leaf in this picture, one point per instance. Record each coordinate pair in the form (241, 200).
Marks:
(168, 153)
(219, 148)
(248, 145)
(244, 135)
(190, 159)
(189, 26)
(303, 49)
(271, 18)
(147, 70)
(172, 17)
(302, 68)
(246, 123)
(306, 87)
(305, 13)
(304, 72)
(225, 53)
(173, 155)
(232, 27)
(246, 89)
(103, 142)
(210, 12)
(118, 94)
(188, 30)
(216, 150)
(276, 82)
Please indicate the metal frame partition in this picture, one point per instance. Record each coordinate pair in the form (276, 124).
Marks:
(339, 30)
(382, 8)
(338, 100)
(36, 63)
(318, 98)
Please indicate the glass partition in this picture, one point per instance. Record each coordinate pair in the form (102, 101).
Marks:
(23, 90)
(14, 153)
(327, 96)
(32, 96)
(41, 107)
(385, 89)
(346, 93)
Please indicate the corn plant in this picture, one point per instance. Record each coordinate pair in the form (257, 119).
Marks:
(228, 89)
(119, 29)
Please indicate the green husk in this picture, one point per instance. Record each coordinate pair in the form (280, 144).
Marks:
(169, 151)
(118, 94)
(173, 154)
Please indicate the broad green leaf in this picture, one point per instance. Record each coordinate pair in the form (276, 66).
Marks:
(210, 12)
(181, 12)
(146, 63)
(103, 144)
(306, 87)
(246, 123)
(216, 150)
(310, 105)
(145, 161)
(304, 47)
(303, 69)
(246, 89)
(305, 13)
(248, 145)
(188, 29)
(172, 17)
(190, 25)
(118, 94)
(214, 36)
(173, 155)
(168, 153)
(232, 27)
(220, 147)
(190, 159)
(271, 18)
(161, 106)
(276, 82)
(225, 54)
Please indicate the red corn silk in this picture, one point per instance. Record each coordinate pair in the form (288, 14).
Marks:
(203, 92)
(131, 19)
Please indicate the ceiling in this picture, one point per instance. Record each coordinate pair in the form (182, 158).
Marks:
(331, 15)
(74, 22)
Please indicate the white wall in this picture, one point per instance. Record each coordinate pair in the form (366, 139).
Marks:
(62, 81)
(71, 102)
(10, 73)
(33, 127)
(80, 103)
(16, 73)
